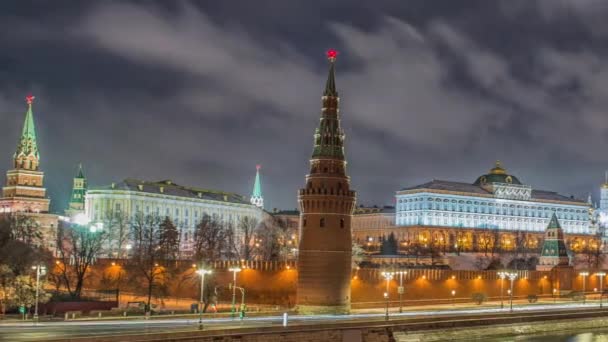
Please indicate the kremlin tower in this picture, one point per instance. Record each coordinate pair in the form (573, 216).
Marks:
(256, 197)
(79, 190)
(24, 192)
(326, 206)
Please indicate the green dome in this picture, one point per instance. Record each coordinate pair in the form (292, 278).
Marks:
(497, 175)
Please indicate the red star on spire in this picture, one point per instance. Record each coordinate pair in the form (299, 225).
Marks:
(258, 167)
(30, 99)
(332, 54)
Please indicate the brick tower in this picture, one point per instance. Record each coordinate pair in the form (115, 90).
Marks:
(326, 206)
(24, 193)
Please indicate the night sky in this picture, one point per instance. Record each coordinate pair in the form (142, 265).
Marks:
(201, 92)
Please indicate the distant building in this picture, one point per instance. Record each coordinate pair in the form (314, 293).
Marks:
(79, 190)
(495, 200)
(24, 192)
(185, 206)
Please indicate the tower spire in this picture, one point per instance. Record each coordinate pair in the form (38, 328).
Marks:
(27, 156)
(329, 137)
(256, 196)
(330, 85)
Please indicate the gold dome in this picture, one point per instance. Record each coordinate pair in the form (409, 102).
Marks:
(498, 169)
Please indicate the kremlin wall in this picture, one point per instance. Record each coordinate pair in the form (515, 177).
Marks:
(274, 283)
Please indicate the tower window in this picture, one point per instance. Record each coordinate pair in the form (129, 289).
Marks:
(322, 223)
(303, 222)
(341, 223)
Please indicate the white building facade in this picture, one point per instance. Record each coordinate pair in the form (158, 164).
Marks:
(495, 201)
(185, 206)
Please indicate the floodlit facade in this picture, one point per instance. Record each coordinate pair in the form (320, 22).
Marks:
(185, 206)
(496, 200)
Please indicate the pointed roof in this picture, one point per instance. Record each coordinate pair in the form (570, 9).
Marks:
(330, 85)
(257, 186)
(80, 173)
(554, 223)
(27, 143)
(329, 137)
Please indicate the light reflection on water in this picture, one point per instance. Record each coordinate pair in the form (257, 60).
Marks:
(568, 336)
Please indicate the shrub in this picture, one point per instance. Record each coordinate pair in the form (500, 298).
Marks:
(479, 298)
(532, 298)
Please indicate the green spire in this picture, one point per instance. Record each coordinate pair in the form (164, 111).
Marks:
(329, 137)
(256, 197)
(27, 146)
(330, 85)
(80, 172)
(554, 223)
(257, 186)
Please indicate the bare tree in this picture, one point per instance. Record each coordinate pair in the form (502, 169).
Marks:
(154, 247)
(244, 238)
(270, 240)
(116, 222)
(77, 247)
(590, 255)
(210, 238)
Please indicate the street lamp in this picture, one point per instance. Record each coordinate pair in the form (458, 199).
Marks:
(40, 270)
(453, 297)
(202, 272)
(386, 311)
(512, 276)
(234, 271)
(601, 275)
(502, 276)
(584, 275)
(388, 276)
(401, 290)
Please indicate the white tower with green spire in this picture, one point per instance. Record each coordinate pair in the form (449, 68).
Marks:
(256, 197)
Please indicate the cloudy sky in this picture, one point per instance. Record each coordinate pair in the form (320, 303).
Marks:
(201, 92)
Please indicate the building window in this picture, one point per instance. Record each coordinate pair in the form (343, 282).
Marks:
(341, 223)
(322, 222)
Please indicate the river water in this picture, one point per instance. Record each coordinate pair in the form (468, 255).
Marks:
(570, 336)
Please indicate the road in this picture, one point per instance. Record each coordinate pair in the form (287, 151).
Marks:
(45, 331)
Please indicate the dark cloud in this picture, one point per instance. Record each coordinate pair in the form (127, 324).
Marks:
(201, 94)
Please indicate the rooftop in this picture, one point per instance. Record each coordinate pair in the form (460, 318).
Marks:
(167, 187)
(479, 190)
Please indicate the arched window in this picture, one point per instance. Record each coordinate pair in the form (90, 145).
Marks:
(322, 222)
(341, 223)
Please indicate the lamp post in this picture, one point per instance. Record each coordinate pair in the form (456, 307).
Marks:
(453, 297)
(512, 276)
(502, 276)
(234, 271)
(601, 275)
(202, 272)
(401, 290)
(40, 270)
(388, 276)
(584, 275)
(554, 293)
